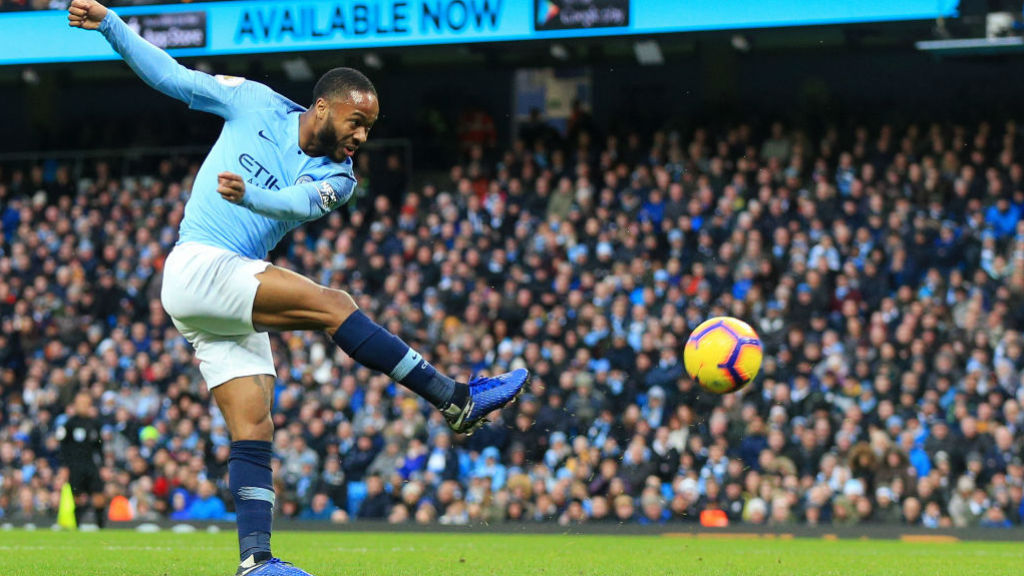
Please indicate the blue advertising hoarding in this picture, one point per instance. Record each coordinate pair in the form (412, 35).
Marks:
(281, 26)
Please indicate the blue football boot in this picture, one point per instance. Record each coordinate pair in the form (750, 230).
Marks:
(272, 567)
(486, 394)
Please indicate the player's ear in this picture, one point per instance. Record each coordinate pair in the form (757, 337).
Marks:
(321, 108)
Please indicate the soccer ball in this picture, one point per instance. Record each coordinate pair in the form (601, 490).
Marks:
(723, 354)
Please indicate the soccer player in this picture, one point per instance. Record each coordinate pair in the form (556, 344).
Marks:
(81, 448)
(274, 166)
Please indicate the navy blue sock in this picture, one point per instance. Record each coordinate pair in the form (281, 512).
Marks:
(374, 347)
(251, 482)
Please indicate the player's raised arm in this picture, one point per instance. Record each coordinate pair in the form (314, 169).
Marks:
(307, 201)
(219, 95)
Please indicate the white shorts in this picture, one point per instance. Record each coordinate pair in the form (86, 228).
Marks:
(209, 293)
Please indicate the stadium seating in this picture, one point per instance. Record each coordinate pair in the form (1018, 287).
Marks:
(882, 266)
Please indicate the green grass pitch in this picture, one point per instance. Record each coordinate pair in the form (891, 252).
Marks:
(124, 553)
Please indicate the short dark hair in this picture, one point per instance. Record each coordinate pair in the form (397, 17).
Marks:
(339, 82)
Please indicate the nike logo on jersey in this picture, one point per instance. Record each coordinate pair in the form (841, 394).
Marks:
(265, 137)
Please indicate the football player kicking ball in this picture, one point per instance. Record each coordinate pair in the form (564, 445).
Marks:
(223, 296)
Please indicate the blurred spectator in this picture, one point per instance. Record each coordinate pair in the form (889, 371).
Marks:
(377, 504)
(205, 505)
(321, 508)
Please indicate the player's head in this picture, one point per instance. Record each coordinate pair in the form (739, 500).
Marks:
(345, 107)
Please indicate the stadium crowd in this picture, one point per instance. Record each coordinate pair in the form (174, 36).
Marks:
(883, 268)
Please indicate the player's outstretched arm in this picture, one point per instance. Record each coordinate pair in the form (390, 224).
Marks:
(154, 66)
(307, 201)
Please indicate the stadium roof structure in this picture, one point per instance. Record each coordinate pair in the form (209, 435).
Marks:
(972, 46)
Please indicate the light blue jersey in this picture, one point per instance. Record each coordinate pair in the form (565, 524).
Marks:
(259, 141)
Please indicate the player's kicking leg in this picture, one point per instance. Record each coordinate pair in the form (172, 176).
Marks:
(288, 301)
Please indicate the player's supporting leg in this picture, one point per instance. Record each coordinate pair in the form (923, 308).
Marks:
(288, 301)
(246, 403)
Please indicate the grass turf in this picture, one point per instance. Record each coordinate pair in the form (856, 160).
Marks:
(124, 553)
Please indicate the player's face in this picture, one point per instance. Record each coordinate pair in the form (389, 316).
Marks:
(343, 125)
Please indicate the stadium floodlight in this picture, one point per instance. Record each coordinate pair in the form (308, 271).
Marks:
(998, 24)
(559, 51)
(740, 42)
(30, 76)
(648, 53)
(373, 60)
(297, 70)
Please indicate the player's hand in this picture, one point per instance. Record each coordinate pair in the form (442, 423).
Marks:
(231, 187)
(86, 14)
